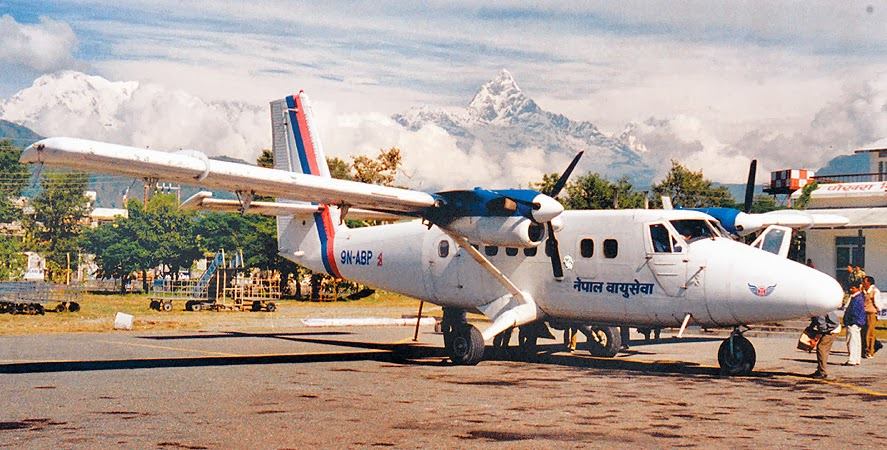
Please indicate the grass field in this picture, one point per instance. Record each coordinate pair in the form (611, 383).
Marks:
(98, 310)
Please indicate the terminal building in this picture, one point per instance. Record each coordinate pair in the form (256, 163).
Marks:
(861, 198)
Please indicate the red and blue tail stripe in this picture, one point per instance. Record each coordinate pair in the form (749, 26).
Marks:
(301, 136)
(308, 155)
(327, 231)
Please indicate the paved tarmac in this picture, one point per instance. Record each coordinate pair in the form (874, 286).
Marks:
(372, 387)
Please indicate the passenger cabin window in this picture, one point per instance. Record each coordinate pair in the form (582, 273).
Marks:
(611, 248)
(586, 248)
(530, 251)
(693, 229)
(443, 249)
(491, 250)
(661, 239)
(511, 251)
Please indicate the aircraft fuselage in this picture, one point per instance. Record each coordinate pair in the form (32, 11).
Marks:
(613, 272)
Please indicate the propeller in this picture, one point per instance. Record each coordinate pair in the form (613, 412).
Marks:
(551, 244)
(750, 186)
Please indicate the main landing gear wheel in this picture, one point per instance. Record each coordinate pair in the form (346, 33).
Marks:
(603, 342)
(466, 346)
(463, 342)
(736, 355)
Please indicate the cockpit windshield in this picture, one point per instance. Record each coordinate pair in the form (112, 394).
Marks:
(693, 229)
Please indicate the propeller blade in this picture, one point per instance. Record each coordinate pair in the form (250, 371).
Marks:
(551, 248)
(563, 179)
(750, 185)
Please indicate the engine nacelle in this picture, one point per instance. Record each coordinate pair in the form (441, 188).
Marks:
(512, 231)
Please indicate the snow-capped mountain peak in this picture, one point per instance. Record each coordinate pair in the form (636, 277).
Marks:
(506, 124)
(97, 98)
(500, 100)
(630, 139)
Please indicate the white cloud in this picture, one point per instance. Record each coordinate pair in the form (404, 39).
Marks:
(44, 46)
(856, 118)
(140, 114)
(431, 158)
(687, 140)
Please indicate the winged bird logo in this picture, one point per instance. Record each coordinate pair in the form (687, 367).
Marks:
(761, 291)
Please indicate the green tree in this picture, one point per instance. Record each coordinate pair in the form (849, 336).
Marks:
(168, 234)
(690, 189)
(157, 235)
(339, 169)
(592, 191)
(381, 170)
(117, 249)
(54, 228)
(761, 204)
(13, 179)
(12, 260)
(266, 159)
(806, 192)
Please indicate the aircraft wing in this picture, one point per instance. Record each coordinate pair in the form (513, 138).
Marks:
(194, 168)
(203, 201)
(801, 219)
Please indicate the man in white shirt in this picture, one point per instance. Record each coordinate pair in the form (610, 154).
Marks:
(872, 306)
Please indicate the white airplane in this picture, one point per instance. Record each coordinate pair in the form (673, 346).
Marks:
(514, 255)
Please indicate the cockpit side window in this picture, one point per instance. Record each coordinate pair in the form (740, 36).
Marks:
(661, 239)
(693, 229)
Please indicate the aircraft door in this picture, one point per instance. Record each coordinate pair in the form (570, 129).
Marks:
(666, 256)
(775, 239)
(442, 271)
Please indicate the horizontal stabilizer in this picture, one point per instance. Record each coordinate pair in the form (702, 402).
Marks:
(203, 201)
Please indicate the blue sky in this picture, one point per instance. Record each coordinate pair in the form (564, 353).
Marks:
(721, 73)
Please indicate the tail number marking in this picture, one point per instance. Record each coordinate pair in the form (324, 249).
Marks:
(356, 258)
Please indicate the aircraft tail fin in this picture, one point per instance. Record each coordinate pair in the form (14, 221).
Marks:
(297, 148)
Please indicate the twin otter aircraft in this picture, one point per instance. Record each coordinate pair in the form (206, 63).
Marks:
(514, 255)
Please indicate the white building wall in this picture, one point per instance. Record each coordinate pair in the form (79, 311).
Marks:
(821, 249)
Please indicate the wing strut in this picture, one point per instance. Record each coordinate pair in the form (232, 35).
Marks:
(507, 311)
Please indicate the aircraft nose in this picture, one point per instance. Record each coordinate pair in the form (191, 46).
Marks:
(824, 295)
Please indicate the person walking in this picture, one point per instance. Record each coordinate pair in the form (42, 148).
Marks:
(872, 306)
(825, 327)
(854, 320)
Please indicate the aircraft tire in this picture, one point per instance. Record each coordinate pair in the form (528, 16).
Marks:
(603, 342)
(742, 359)
(466, 348)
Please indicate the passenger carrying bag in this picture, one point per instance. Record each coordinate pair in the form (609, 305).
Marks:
(808, 340)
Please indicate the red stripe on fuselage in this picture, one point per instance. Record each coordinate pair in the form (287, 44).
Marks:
(307, 141)
(330, 232)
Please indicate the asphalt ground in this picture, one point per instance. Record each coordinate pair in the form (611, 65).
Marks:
(299, 387)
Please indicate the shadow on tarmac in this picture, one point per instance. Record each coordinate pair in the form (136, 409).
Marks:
(399, 353)
(236, 334)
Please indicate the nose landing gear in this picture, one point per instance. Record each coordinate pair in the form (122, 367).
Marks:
(736, 355)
